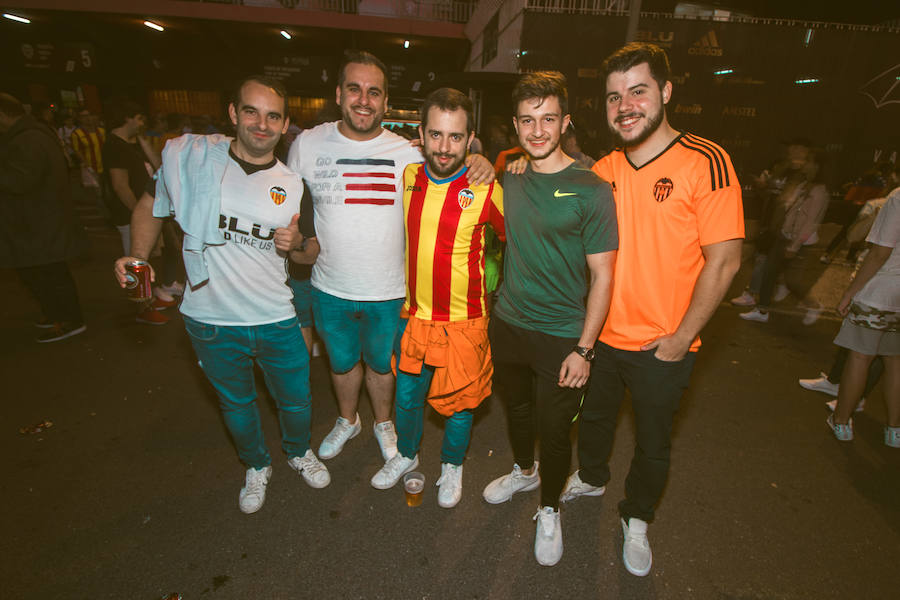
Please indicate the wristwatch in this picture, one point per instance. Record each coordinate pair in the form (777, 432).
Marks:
(585, 353)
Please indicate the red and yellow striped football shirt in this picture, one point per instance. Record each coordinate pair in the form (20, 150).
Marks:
(445, 221)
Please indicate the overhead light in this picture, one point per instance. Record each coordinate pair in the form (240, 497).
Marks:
(406, 43)
(12, 17)
(723, 72)
(807, 80)
(285, 34)
(153, 25)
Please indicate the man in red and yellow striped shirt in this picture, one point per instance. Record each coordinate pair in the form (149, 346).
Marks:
(444, 352)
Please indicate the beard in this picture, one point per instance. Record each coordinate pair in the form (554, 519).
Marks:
(547, 151)
(348, 115)
(435, 167)
(653, 123)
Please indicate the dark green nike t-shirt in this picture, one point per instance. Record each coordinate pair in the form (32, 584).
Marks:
(553, 220)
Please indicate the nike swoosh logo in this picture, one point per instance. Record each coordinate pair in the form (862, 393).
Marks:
(559, 194)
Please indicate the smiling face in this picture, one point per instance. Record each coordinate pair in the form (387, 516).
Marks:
(635, 105)
(445, 141)
(259, 121)
(540, 123)
(363, 100)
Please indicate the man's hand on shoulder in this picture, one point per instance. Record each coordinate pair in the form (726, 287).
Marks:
(481, 171)
(518, 166)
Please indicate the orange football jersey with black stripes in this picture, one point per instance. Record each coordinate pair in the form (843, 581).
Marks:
(445, 221)
(685, 198)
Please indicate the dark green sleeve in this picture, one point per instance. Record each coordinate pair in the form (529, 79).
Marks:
(600, 230)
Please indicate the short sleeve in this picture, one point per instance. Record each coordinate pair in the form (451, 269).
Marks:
(307, 214)
(719, 208)
(600, 230)
(886, 229)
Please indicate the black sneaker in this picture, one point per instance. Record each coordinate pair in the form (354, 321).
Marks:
(61, 331)
(44, 323)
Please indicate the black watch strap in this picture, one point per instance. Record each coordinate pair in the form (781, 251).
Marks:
(584, 352)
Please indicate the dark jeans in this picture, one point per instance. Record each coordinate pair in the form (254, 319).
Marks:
(526, 372)
(656, 388)
(875, 370)
(54, 289)
(776, 263)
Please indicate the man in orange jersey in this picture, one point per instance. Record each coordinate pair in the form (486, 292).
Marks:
(678, 203)
(444, 350)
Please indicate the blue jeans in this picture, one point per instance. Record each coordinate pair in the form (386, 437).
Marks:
(302, 289)
(354, 329)
(410, 396)
(227, 354)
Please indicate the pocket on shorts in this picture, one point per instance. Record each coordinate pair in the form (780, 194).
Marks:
(203, 332)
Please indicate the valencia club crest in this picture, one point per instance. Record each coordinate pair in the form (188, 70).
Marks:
(278, 195)
(662, 188)
(465, 198)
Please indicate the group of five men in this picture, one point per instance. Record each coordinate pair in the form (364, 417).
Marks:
(637, 252)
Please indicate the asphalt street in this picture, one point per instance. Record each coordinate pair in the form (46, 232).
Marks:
(132, 492)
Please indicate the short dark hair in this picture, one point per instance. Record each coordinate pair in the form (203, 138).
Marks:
(361, 57)
(10, 106)
(120, 110)
(449, 100)
(541, 84)
(270, 82)
(635, 53)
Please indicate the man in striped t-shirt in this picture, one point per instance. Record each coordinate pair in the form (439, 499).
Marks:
(444, 351)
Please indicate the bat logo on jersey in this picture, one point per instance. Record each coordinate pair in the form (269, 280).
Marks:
(465, 198)
(663, 188)
(278, 195)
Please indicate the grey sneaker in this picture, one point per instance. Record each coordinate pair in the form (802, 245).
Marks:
(388, 475)
(503, 488)
(892, 437)
(450, 485)
(636, 552)
(342, 432)
(843, 432)
(311, 469)
(548, 544)
(386, 436)
(576, 487)
(820, 384)
(253, 494)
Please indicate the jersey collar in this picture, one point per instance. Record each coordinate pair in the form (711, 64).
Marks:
(448, 179)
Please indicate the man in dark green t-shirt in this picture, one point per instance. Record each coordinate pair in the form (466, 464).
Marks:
(562, 239)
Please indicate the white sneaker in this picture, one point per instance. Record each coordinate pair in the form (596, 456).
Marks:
(548, 544)
(176, 289)
(576, 487)
(892, 437)
(387, 439)
(450, 484)
(342, 432)
(831, 404)
(781, 292)
(745, 299)
(820, 384)
(636, 549)
(503, 488)
(311, 469)
(253, 494)
(388, 475)
(755, 315)
(842, 431)
(812, 315)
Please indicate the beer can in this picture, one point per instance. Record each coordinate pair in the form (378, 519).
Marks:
(137, 280)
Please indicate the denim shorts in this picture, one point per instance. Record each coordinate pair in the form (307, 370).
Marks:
(302, 289)
(357, 329)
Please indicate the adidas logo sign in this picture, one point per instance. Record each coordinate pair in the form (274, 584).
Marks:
(708, 45)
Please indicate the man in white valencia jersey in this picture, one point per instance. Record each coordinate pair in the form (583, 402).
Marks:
(239, 209)
(354, 169)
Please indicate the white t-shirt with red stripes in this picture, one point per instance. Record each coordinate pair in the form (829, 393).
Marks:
(357, 191)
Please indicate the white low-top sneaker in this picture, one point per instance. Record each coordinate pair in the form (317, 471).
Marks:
(314, 473)
(253, 494)
(450, 484)
(342, 432)
(548, 544)
(386, 436)
(388, 475)
(820, 384)
(576, 487)
(755, 315)
(636, 548)
(503, 488)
